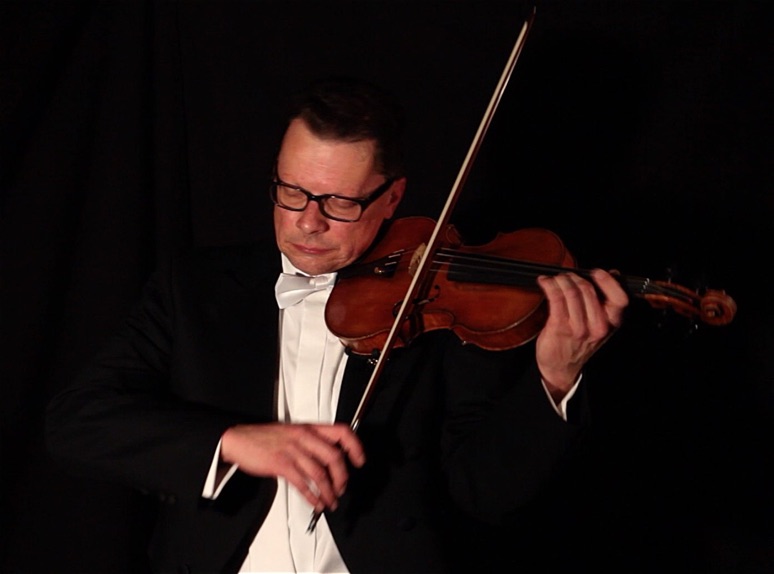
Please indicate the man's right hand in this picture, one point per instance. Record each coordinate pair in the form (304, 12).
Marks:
(308, 456)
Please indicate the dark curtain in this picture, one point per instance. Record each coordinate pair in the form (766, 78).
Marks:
(639, 131)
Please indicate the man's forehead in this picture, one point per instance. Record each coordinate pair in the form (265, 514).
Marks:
(306, 151)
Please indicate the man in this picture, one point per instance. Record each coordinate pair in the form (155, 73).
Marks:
(190, 402)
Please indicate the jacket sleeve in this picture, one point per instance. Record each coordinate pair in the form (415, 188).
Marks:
(123, 419)
(503, 442)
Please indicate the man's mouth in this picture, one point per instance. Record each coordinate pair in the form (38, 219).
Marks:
(309, 249)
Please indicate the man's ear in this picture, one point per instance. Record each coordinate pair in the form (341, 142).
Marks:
(395, 195)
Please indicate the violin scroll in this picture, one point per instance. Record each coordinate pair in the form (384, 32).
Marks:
(714, 307)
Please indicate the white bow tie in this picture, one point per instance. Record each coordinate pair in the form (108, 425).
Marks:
(290, 289)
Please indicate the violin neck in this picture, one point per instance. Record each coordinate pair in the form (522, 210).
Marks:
(490, 269)
(476, 268)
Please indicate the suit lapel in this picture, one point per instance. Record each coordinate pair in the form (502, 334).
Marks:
(353, 385)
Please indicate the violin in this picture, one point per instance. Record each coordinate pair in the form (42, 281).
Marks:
(487, 295)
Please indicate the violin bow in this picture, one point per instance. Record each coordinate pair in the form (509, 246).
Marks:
(423, 268)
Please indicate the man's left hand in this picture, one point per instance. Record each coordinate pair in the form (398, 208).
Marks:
(580, 320)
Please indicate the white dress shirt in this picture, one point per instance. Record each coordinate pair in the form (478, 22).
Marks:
(312, 363)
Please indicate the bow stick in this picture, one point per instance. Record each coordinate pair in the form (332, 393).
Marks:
(424, 266)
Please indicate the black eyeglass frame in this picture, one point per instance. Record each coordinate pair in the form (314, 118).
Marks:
(364, 202)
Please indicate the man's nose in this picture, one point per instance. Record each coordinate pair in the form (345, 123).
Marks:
(311, 219)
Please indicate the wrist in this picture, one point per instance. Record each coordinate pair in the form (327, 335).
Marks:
(559, 384)
(227, 440)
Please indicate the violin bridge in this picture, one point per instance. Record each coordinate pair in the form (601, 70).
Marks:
(416, 258)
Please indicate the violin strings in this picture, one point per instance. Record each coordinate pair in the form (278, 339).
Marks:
(458, 260)
(510, 269)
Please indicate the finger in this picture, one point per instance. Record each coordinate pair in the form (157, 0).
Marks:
(557, 305)
(567, 302)
(596, 323)
(582, 301)
(317, 482)
(297, 477)
(616, 298)
(331, 456)
(346, 440)
(589, 315)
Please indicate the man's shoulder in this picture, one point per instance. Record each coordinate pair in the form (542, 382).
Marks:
(229, 254)
(248, 261)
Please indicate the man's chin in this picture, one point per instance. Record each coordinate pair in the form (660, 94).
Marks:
(312, 264)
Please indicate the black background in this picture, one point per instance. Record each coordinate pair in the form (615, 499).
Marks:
(639, 131)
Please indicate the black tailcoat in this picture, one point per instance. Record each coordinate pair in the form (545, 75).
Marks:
(452, 431)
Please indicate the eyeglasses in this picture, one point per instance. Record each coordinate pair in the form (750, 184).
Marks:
(336, 207)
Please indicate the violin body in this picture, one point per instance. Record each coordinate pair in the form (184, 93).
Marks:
(478, 307)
